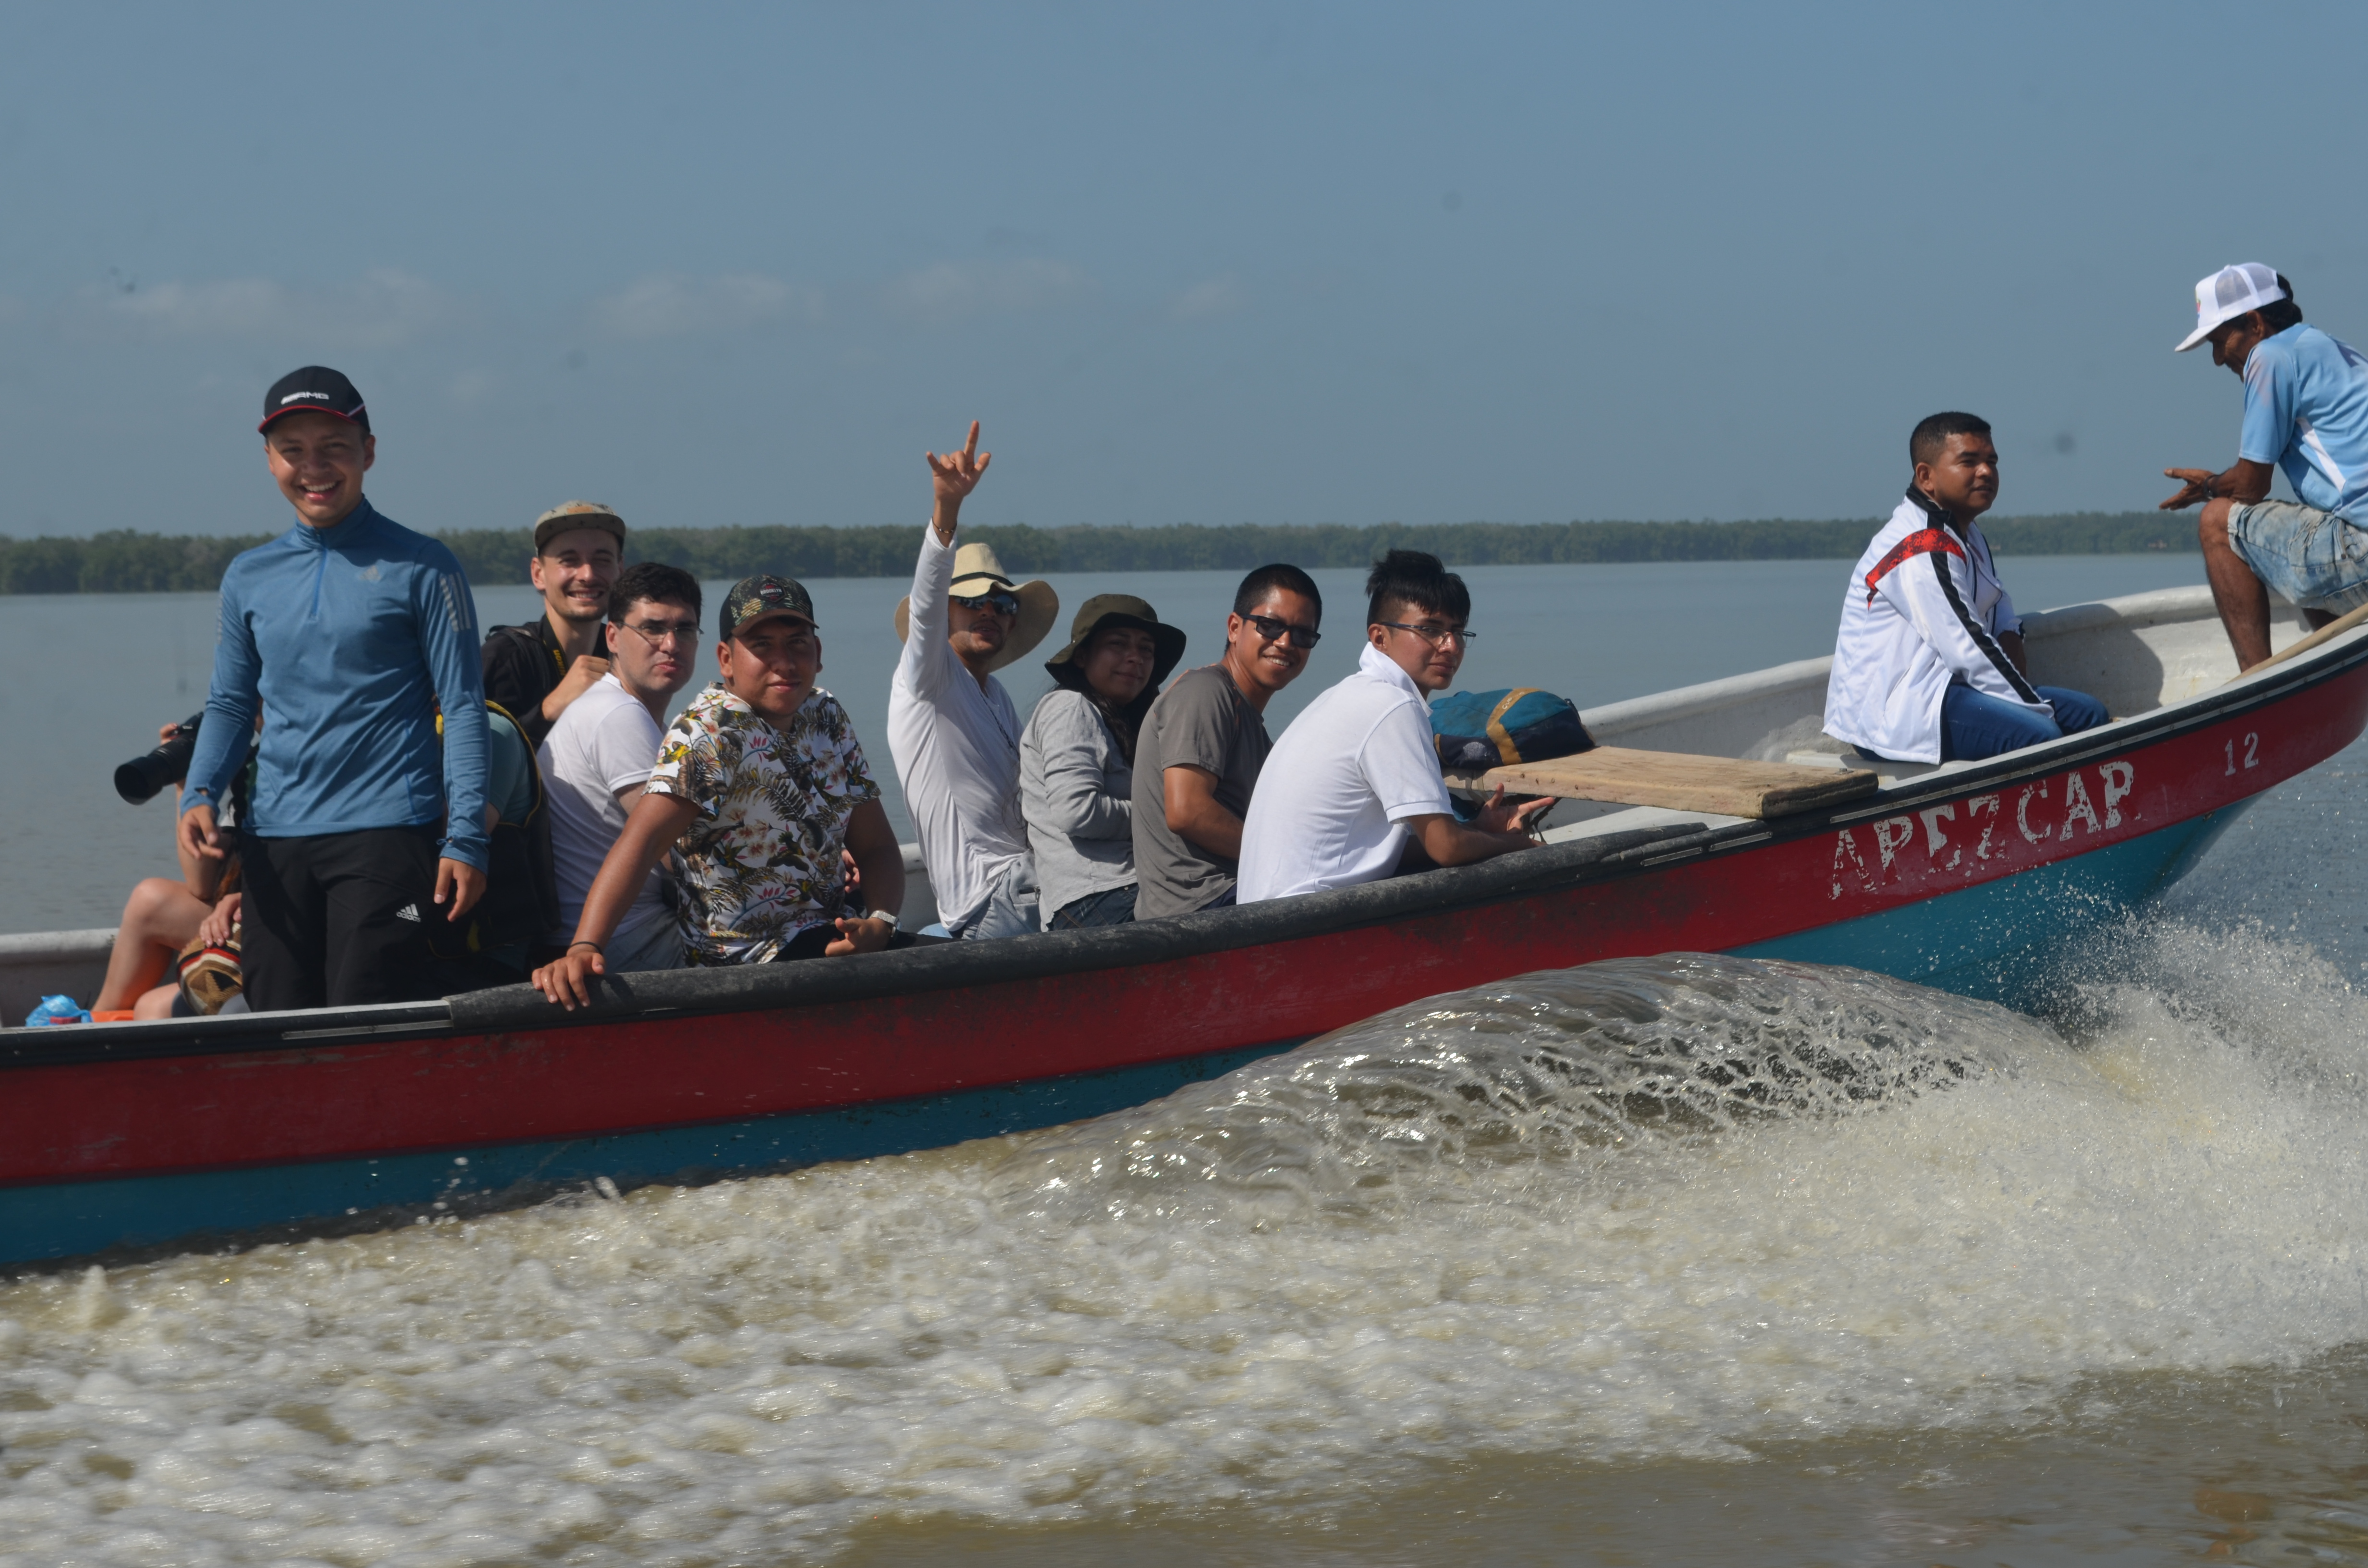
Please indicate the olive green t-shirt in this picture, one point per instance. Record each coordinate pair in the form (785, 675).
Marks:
(1202, 719)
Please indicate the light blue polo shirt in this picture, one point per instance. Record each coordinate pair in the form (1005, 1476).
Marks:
(2306, 410)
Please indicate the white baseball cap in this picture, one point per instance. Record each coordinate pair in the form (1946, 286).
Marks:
(2229, 293)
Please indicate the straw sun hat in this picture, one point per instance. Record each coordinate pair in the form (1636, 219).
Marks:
(975, 571)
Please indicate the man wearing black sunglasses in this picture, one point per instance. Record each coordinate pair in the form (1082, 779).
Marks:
(950, 724)
(1203, 743)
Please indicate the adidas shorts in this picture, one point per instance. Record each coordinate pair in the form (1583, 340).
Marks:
(340, 920)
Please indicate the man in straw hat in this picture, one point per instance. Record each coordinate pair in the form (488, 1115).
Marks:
(535, 670)
(950, 724)
(2306, 412)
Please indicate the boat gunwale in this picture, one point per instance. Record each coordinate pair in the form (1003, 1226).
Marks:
(1572, 863)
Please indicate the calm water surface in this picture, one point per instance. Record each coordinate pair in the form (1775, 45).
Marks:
(1503, 1277)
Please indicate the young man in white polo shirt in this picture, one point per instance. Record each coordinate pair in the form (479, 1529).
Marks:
(599, 755)
(1357, 775)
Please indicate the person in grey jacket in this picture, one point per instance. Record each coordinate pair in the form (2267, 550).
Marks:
(1076, 759)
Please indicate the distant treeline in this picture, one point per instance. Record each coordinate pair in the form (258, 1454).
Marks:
(124, 561)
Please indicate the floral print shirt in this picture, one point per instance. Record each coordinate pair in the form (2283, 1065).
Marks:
(762, 860)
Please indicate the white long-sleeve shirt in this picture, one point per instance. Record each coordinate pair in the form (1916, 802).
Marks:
(957, 750)
(1924, 610)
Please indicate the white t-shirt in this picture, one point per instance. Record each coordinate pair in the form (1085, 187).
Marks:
(1333, 798)
(957, 750)
(603, 742)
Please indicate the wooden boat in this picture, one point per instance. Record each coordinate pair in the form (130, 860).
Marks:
(1965, 876)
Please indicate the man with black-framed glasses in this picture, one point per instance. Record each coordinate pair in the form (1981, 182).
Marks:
(1205, 744)
(599, 755)
(1356, 777)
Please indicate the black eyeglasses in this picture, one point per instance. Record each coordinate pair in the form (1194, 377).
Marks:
(658, 634)
(1270, 630)
(1437, 636)
(998, 601)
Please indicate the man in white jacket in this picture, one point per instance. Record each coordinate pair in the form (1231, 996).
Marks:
(1928, 666)
(950, 724)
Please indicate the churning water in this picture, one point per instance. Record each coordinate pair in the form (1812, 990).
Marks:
(1657, 1227)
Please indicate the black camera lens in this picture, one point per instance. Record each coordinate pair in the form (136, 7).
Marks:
(144, 778)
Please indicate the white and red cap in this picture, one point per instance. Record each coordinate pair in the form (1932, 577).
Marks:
(2229, 293)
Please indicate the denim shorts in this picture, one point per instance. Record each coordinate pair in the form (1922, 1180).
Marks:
(2316, 559)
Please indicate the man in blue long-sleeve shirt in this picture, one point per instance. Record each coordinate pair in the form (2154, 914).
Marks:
(349, 631)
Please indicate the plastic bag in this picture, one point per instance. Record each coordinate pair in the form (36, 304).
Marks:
(57, 1010)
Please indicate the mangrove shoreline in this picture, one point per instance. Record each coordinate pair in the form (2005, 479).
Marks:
(123, 561)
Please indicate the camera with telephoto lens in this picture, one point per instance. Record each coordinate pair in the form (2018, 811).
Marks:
(144, 778)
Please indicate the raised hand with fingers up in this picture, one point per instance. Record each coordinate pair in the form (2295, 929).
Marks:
(956, 475)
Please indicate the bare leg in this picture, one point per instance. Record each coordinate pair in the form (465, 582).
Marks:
(156, 1004)
(2243, 602)
(159, 918)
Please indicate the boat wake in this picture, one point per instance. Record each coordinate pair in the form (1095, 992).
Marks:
(1553, 1071)
(1690, 1205)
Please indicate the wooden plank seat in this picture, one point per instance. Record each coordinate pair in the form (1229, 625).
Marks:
(1725, 786)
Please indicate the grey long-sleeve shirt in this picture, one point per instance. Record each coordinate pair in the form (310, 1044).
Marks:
(1076, 791)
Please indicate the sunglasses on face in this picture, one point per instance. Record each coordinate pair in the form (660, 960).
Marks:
(998, 601)
(1270, 630)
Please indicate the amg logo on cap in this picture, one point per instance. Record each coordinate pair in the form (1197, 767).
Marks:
(315, 388)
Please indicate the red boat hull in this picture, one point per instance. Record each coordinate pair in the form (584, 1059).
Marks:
(159, 1106)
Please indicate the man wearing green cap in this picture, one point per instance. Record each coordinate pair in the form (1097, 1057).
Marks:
(760, 784)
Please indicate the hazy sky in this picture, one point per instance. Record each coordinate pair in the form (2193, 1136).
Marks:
(1192, 264)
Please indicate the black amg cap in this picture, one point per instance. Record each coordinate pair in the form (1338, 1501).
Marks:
(319, 389)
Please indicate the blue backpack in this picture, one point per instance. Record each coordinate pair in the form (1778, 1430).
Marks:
(1479, 730)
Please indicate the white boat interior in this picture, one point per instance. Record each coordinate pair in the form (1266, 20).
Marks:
(2136, 655)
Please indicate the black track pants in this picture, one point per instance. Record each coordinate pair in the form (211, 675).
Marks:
(340, 920)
